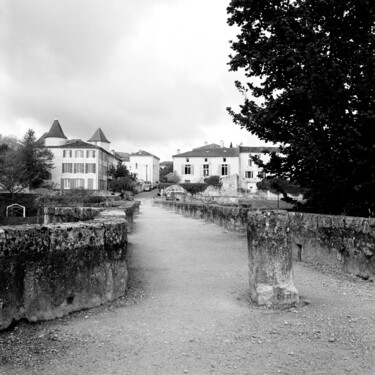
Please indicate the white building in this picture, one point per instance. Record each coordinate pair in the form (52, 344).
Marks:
(216, 160)
(143, 165)
(79, 164)
(202, 162)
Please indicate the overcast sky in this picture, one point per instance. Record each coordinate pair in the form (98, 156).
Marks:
(152, 74)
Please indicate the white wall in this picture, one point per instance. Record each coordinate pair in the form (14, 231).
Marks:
(145, 168)
(246, 182)
(197, 169)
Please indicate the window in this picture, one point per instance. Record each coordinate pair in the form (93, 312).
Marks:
(224, 169)
(90, 183)
(250, 163)
(79, 168)
(136, 165)
(105, 157)
(187, 169)
(67, 153)
(206, 170)
(78, 154)
(249, 174)
(205, 160)
(77, 183)
(187, 160)
(90, 168)
(65, 183)
(67, 168)
(224, 160)
(90, 154)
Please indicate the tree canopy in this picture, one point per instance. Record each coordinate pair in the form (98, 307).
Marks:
(309, 67)
(122, 179)
(24, 165)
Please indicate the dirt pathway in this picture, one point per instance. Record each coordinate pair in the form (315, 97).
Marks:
(188, 312)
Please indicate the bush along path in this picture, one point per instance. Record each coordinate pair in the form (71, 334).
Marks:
(187, 312)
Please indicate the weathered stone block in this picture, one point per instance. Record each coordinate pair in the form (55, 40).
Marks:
(270, 259)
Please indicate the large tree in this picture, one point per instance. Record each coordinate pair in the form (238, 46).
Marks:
(12, 172)
(36, 160)
(309, 67)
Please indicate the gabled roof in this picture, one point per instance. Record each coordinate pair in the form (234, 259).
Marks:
(258, 150)
(143, 153)
(210, 146)
(55, 131)
(203, 152)
(98, 137)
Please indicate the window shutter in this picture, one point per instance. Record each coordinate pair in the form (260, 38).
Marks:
(191, 168)
(228, 169)
(219, 170)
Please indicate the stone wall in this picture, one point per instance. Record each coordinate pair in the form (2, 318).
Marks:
(345, 243)
(47, 271)
(233, 218)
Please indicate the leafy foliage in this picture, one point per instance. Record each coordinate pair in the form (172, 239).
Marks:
(194, 188)
(36, 161)
(122, 179)
(24, 165)
(310, 67)
(121, 184)
(213, 181)
(165, 171)
(173, 177)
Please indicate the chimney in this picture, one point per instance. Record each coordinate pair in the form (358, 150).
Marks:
(222, 144)
(178, 151)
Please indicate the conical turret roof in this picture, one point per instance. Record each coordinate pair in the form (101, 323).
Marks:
(55, 131)
(98, 137)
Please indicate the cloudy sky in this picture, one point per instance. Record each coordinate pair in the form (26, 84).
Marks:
(152, 74)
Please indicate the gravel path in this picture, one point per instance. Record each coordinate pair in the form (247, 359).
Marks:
(187, 312)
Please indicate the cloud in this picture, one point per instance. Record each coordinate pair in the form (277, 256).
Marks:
(150, 73)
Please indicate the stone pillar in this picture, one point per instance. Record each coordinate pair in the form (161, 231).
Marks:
(270, 259)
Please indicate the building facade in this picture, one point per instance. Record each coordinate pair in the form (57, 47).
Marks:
(145, 166)
(79, 164)
(215, 160)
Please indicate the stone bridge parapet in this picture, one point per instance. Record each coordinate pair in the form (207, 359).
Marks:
(276, 237)
(47, 271)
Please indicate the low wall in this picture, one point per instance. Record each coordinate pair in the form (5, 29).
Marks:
(233, 218)
(50, 270)
(53, 215)
(345, 243)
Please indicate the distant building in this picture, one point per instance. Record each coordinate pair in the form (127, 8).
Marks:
(79, 164)
(216, 160)
(143, 165)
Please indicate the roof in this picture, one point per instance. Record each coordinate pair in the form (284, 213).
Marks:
(143, 153)
(98, 137)
(78, 143)
(211, 145)
(209, 152)
(258, 150)
(124, 156)
(55, 131)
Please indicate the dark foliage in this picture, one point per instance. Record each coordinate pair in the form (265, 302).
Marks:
(194, 188)
(213, 181)
(310, 67)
